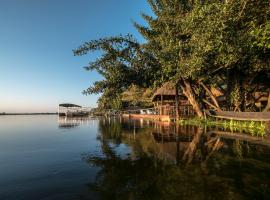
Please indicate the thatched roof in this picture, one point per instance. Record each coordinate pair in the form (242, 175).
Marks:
(67, 105)
(167, 88)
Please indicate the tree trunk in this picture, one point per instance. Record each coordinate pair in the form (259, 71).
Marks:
(230, 83)
(213, 98)
(211, 105)
(242, 94)
(161, 108)
(190, 152)
(177, 102)
(188, 92)
(267, 108)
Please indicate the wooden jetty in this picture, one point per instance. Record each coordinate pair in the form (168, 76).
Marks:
(241, 116)
(160, 113)
(163, 118)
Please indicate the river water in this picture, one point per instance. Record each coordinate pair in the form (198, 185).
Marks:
(47, 158)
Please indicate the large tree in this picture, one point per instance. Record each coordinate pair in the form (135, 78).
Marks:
(167, 39)
(204, 44)
(122, 63)
(197, 45)
(227, 46)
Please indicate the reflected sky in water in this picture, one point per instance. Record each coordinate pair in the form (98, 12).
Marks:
(46, 157)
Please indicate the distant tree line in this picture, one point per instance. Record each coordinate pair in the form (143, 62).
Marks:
(197, 45)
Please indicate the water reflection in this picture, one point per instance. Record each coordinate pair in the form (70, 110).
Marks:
(73, 122)
(166, 161)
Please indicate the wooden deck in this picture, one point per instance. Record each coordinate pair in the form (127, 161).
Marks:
(241, 116)
(164, 113)
(163, 118)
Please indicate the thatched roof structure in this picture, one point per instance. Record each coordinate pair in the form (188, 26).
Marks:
(68, 105)
(167, 89)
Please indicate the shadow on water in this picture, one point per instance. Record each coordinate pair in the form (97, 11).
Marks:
(177, 162)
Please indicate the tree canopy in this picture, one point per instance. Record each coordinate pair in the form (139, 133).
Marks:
(198, 45)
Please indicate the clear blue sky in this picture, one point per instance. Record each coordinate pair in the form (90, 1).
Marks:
(37, 67)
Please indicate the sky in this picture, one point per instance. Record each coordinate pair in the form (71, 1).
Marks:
(37, 67)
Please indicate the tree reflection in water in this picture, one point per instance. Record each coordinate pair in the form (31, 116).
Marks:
(188, 164)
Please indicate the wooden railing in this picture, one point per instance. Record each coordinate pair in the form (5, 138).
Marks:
(67, 110)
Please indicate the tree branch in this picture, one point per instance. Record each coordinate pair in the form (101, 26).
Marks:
(213, 98)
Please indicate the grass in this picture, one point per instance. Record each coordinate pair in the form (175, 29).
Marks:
(250, 127)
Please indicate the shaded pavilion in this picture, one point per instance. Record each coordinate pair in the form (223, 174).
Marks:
(69, 109)
(164, 101)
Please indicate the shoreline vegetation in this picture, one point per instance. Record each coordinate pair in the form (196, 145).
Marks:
(248, 127)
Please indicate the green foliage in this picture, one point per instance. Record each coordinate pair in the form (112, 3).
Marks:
(222, 32)
(122, 63)
(202, 40)
(115, 63)
(164, 36)
(136, 96)
(261, 35)
(217, 43)
(236, 96)
(116, 103)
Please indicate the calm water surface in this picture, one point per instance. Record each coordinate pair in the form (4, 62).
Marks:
(43, 157)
